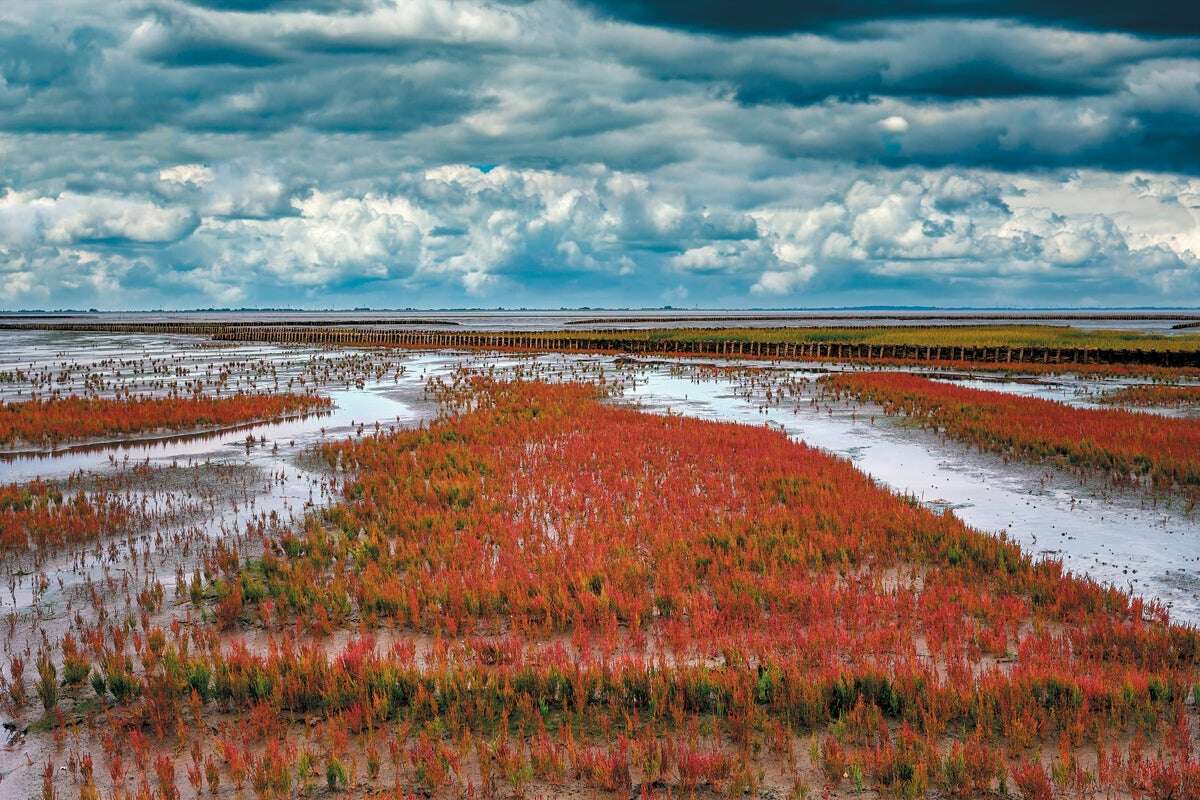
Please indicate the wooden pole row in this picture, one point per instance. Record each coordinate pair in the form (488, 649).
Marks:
(634, 343)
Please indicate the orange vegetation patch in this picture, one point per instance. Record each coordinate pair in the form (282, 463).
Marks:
(1126, 443)
(1154, 396)
(39, 515)
(72, 418)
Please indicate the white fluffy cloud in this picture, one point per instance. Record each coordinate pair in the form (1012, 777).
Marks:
(27, 220)
(468, 225)
(193, 174)
(783, 281)
(487, 230)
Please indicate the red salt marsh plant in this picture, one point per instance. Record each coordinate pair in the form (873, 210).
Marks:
(598, 585)
(48, 422)
(761, 574)
(41, 515)
(1123, 443)
(1154, 395)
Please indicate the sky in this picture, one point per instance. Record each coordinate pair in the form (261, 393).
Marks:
(621, 153)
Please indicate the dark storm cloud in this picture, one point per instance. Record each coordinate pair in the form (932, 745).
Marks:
(1119, 134)
(1008, 83)
(353, 100)
(31, 60)
(185, 41)
(932, 60)
(1158, 17)
(571, 90)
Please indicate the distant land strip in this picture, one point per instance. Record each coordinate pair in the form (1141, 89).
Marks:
(998, 345)
(766, 343)
(800, 315)
(84, 322)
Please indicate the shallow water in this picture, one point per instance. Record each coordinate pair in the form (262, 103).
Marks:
(1116, 536)
(366, 406)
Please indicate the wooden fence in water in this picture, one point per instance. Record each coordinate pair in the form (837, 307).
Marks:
(632, 342)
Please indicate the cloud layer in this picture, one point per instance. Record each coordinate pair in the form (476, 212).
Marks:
(450, 152)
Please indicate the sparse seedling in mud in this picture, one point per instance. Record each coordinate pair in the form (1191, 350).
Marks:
(99, 684)
(16, 681)
(335, 774)
(75, 665)
(47, 681)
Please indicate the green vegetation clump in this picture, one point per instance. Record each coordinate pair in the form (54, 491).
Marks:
(921, 336)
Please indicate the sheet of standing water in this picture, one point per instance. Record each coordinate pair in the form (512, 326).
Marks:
(1119, 537)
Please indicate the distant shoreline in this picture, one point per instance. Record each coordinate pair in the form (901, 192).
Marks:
(670, 312)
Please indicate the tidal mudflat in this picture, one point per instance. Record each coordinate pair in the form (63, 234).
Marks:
(191, 564)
